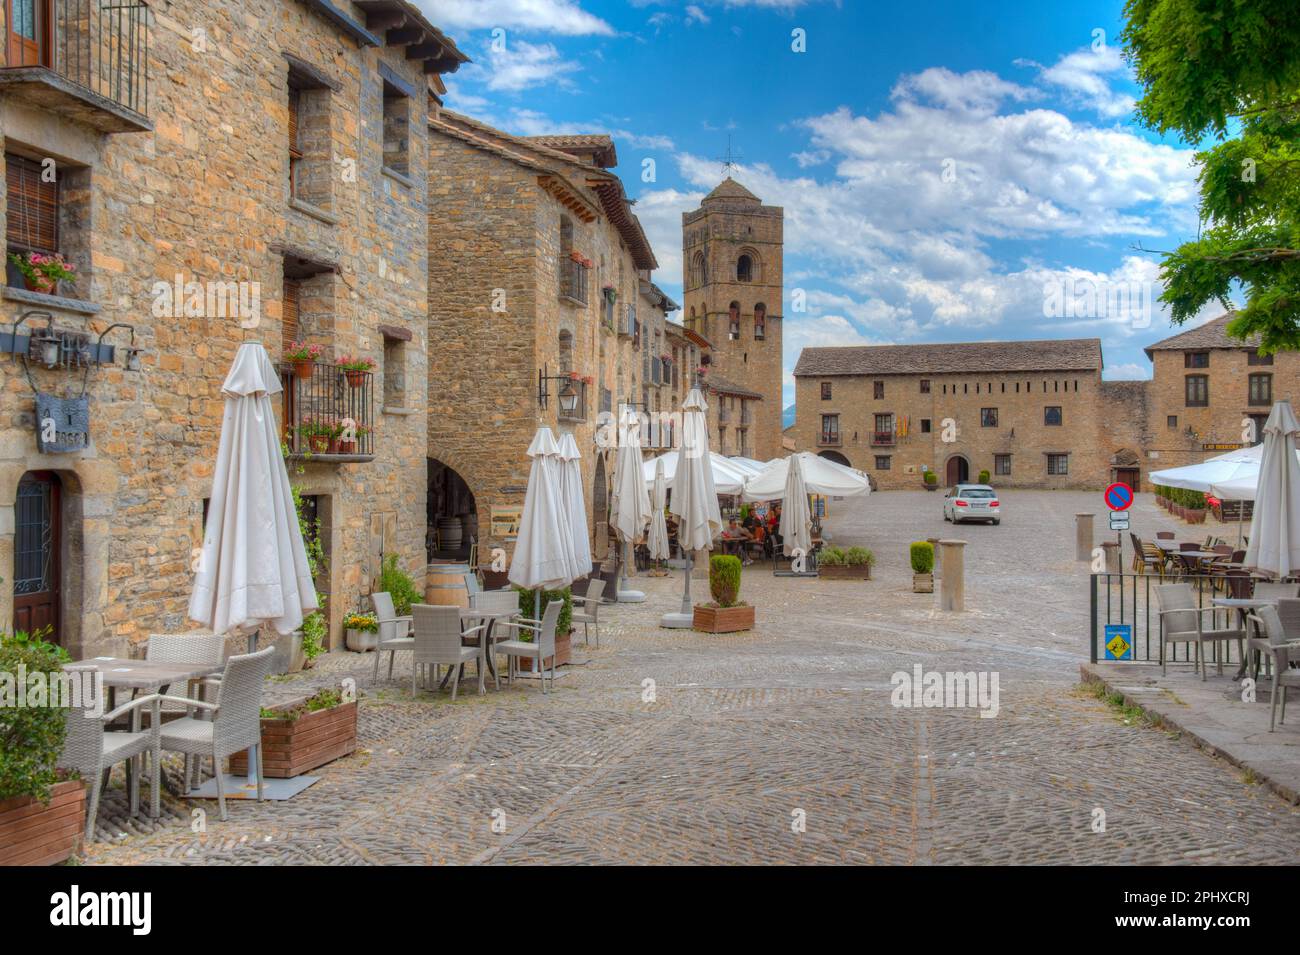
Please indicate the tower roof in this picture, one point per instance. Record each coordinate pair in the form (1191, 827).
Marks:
(731, 191)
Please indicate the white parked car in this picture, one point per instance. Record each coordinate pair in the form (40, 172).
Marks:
(972, 502)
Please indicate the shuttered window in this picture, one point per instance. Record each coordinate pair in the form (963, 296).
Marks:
(32, 207)
(295, 152)
(292, 288)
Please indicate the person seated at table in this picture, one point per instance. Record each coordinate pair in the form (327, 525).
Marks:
(734, 538)
(761, 539)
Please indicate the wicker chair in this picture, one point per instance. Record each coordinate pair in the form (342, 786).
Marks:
(394, 631)
(472, 586)
(540, 647)
(1180, 622)
(1268, 621)
(235, 722)
(590, 604)
(437, 642)
(204, 648)
(92, 750)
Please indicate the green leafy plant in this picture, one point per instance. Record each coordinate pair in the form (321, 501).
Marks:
(857, 556)
(832, 557)
(397, 584)
(361, 622)
(43, 272)
(922, 556)
(984, 477)
(31, 737)
(315, 631)
(325, 699)
(355, 363)
(528, 609)
(299, 352)
(931, 477)
(724, 579)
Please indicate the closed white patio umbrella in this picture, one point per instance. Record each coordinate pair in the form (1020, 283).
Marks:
(575, 505)
(631, 502)
(658, 539)
(543, 556)
(1274, 546)
(796, 516)
(694, 499)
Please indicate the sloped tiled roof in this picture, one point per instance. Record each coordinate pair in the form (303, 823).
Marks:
(729, 189)
(718, 384)
(598, 144)
(1066, 354)
(1213, 334)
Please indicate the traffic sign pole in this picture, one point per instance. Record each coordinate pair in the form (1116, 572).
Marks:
(1119, 498)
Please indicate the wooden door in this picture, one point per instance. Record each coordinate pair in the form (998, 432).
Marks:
(37, 545)
(958, 470)
(1129, 476)
(29, 32)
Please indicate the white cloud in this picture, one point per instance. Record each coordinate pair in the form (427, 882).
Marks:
(522, 65)
(1085, 76)
(977, 91)
(695, 15)
(563, 17)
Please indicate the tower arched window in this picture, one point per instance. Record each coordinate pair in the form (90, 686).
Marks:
(760, 322)
(699, 270)
(745, 269)
(733, 322)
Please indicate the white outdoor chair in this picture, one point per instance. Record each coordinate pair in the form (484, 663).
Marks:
(1180, 622)
(541, 646)
(394, 631)
(495, 600)
(590, 610)
(472, 586)
(437, 643)
(235, 724)
(1269, 622)
(1258, 645)
(93, 750)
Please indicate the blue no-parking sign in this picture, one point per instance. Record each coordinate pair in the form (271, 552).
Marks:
(1119, 497)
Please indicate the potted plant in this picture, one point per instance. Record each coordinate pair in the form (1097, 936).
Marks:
(42, 809)
(984, 477)
(397, 583)
(852, 564)
(302, 357)
(528, 605)
(611, 293)
(317, 432)
(41, 272)
(355, 369)
(726, 613)
(930, 480)
(922, 556)
(299, 737)
(361, 631)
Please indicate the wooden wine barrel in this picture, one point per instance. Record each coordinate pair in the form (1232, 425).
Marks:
(446, 585)
(449, 533)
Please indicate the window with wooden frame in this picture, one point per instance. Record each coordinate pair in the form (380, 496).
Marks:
(295, 150)
(32, 207)
(28, 40)
(1261, 389)
(1196, 359)
(826, 391)
(878, 389)
(1196, 391)
(1255, 358)
(925, 386)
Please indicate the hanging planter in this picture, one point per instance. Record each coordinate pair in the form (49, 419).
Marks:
(303, 357)
(355, 369)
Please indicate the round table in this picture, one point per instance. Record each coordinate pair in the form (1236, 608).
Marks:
(1242, 605)
(490, 617)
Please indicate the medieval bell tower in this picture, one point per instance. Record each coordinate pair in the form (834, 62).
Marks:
(732, 258)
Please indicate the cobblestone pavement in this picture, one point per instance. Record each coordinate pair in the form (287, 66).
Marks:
(746, 730)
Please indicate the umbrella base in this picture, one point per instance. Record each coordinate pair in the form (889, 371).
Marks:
(239, 787)
(631, 597)
(677, 621)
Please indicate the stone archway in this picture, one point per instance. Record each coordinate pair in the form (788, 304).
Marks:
(836, 457)
(1126, 467)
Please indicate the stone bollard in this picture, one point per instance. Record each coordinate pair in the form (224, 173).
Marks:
(1083, 537)
(700, 564)
(934, 542)
(952, 586)
(1111, 549)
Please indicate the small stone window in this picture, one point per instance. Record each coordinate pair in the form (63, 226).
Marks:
(1255, 358)
(744, 269)
(988, 417)
(397, 129)
(882, 462)
(1058, 464)
(1171, 421)
(760, 322)
(395, 368)
(1052, 416)
(1002, 464)
(826, 391)
(878, 389)
(1196, 359)
(925, 425)
(925, 386)
(309, 141)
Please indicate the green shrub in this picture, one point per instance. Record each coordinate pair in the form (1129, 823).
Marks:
(396, 583)
(984, 477)
(831, 557)
(315, 631)
(931, 477)
(922, 553)
(724, 579)
(31, 738)
(857, 556)
(529, 608)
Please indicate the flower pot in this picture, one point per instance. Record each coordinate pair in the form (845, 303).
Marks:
(318, 443)
(288, 656)
(355, 378)
(1196, 515)
(332, 446)
(32, 833)
(361, 640)
(302, 370)
(923, 583)
(723, 619)
(844, 571)
(930, 487)
(346, 447)
(291, 747)
(495, 579)
(563, 654)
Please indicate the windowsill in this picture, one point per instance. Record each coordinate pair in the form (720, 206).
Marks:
(399, 177)
(398, 411)
(50, 301)
(314, 211)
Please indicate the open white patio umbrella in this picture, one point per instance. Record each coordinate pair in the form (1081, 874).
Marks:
(1274, 546)
(820, 476)
(658, 539)
(694, 499)
(575, 505)
(631, 502)
(253, 569)
(1240, 464)
(728, 478)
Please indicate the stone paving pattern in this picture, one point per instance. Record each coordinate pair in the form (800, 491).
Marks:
(747, 728)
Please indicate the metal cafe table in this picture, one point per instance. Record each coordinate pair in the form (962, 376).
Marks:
(1243, 606)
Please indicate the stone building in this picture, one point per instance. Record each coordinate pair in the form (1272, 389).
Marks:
(732, 256)
(1036, 413)
(540, 312)
(256, 176)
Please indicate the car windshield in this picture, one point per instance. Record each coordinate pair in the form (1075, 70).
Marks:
(981, 493)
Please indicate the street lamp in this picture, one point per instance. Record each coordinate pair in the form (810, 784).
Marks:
(568, 398)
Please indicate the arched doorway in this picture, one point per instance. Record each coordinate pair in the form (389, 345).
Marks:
(958, 470)
(452, 514)
(38, 545)
(836, 457)
(1126, 467)
(599, 507)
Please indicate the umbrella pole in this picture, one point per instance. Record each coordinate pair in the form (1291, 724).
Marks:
(686, 617)
(625, 594)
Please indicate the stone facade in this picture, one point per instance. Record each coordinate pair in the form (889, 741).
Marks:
(195, 188)
(537, 266)
(732, 257)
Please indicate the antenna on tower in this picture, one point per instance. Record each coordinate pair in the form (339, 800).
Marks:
(730, 160)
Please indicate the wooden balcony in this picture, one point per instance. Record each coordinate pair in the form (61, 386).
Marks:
(329, 415)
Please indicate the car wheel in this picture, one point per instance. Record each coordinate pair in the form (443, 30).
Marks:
(997, 522)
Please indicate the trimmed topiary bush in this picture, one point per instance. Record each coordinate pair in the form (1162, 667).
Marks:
(931, 477)
(922, 554)
(724, 579)
(984, 477)
(857, 556)
(832, 557)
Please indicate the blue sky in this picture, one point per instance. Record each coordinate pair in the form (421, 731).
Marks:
(949, 171)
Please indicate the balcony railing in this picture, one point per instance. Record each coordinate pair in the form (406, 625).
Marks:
(882, 439)
(329, 414)
(724, 414)
(829, 439)
(87, 59)
(627, 322)
(656, 371)
(608, 307)
(574, 282)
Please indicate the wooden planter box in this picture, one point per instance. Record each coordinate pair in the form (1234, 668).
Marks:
(723, 619)
(563, 654)
(844, 571)
(923, 583)
(293, 747)
(32, 833)
(494, 579)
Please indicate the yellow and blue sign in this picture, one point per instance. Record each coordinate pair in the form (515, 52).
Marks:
(1119, 641)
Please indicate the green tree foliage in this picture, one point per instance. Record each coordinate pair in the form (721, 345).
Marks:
(724, 579)
(1230, 70)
